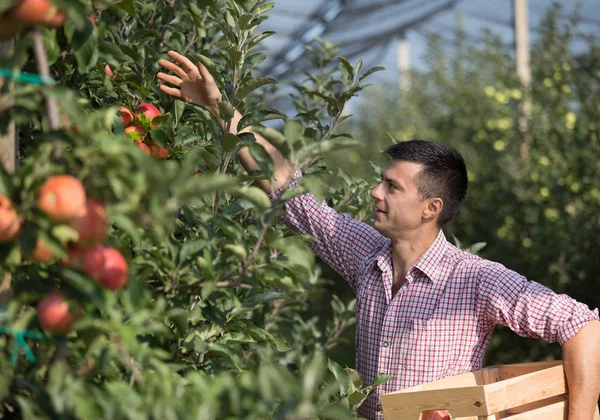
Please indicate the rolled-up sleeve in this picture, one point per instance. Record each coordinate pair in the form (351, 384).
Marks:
(342, 242)
(529, 308)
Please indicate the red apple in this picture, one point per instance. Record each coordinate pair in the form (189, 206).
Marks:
(149, 110)
(142, 146)
(89, 260)
(158, 152)
(110, 72)
(115, 270)
(33, 12)
(436, 415)
(126, 116)
(92, 225)
(135, 129)
(54, 313)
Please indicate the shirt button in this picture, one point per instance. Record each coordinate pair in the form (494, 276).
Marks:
(378, 407)
(386, 344)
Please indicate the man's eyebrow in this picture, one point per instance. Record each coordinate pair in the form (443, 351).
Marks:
(392, 181)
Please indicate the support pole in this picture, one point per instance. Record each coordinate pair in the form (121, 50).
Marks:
(8, 159)
(521, 21)
(404, 62)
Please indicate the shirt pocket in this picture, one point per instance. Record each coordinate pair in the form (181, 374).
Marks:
(428, 348)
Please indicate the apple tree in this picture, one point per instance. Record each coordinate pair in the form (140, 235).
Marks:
(144, 274)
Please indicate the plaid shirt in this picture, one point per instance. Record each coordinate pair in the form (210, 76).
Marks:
(441, 320)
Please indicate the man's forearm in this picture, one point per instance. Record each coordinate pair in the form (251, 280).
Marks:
(581, 358)
(283, 168)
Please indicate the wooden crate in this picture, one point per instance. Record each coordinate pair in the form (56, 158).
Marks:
(525, 391)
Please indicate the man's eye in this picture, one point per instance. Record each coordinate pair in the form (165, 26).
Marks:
(392, 186)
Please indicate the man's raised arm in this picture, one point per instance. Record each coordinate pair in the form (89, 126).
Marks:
(195, 84)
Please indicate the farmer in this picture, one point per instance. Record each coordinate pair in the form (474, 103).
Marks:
(425, 309)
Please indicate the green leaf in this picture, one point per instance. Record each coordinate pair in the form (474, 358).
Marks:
(226, 110)
(370, 71)
(191, 249)
(296, 251)
(381, 379)
(65, 233)
(128, 226)
(341, 377)
(325, 146)
(84, 44)
(110, 49)
(356, 399)
(261, 115)
(331, 101)
(347, 67)
(255, 195)
(251, 85)
(51, 45)
(264, 8)
(229, 142)
(178, 108)
(259, 38)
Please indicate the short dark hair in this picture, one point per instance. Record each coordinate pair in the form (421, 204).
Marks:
(444, 173)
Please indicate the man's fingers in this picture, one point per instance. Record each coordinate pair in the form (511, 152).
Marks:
(184, 61)
(172, 67)
(205, 74)
(176, 81)
(170, 91)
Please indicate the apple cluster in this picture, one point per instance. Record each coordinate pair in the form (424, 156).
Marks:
(63, 199)
(134, 123)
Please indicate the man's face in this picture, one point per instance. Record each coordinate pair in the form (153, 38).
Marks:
(398, 208)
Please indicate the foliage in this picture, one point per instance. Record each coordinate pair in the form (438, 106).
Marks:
(213, 321)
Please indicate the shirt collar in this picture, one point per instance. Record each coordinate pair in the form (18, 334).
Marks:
(430, 263)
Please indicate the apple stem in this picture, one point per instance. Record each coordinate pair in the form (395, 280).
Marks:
(44, 71)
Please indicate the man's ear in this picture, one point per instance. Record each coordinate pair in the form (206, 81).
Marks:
(434, 208)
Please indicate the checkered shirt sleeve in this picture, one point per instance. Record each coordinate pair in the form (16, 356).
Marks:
(342, 242)
(529, 308)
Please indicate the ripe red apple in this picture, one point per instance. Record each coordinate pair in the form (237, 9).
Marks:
(33, 12)
(57, 20)
(149, 110)
(436, 415)
(135, 129)
(54, 313)
(142, 146)
(126, 116)
(110, 72)
(158, 152)
(10, 221)
(62, 198)
(92, 225)
(89, 260)
(115, 270)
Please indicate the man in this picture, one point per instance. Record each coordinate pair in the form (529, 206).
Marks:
(425, 309)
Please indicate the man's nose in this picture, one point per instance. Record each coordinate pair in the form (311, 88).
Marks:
(376, 192)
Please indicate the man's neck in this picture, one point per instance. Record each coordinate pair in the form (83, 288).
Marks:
(406, 250)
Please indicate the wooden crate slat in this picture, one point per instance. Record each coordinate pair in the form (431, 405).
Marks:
(518, 369)
(534, 405)
(554, 411)
(408, 405)
(525, 389)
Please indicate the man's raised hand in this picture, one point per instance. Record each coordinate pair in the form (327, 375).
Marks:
(191, 83)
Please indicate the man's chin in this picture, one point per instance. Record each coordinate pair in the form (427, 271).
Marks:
(377, 226)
